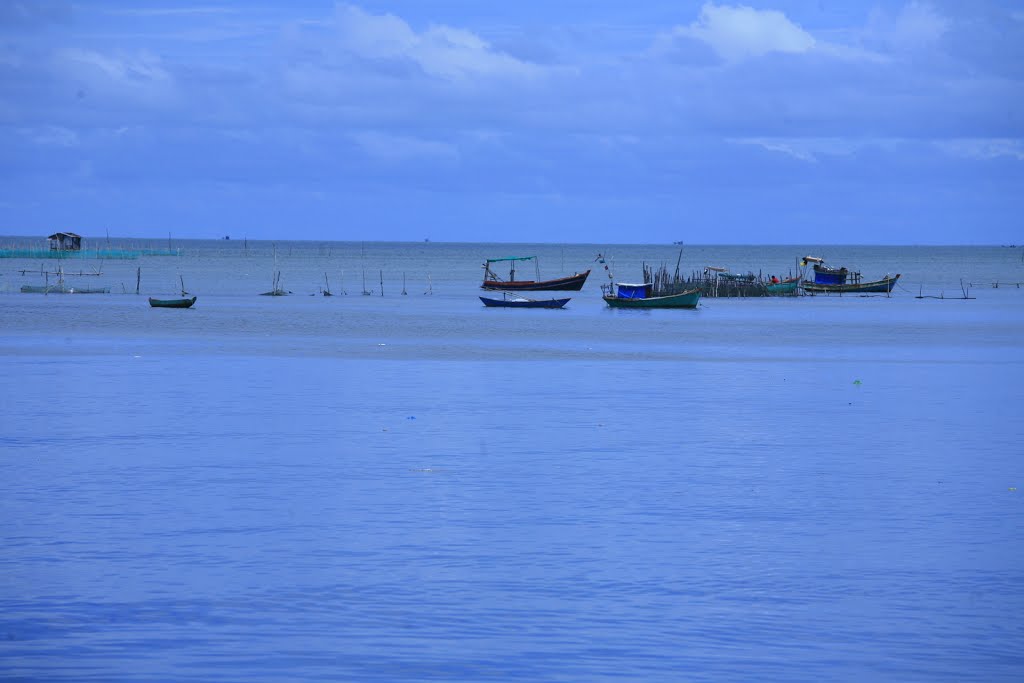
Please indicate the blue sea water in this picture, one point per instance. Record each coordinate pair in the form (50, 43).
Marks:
(415, 488)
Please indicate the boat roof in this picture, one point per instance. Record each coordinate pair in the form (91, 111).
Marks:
(634, 284)
(511, 258)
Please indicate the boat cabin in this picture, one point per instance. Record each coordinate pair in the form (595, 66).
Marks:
(65, 241)
(630, 290)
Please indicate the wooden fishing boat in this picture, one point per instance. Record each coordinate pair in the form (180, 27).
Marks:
(172, 303)
(514, 301)
(43, 289)
(737, 277)
(62, 288)
(638, 296)
(783, 287)
(884, 286)
(831, 280)
(492, 281)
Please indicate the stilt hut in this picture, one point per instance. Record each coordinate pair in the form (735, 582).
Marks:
(65, 241)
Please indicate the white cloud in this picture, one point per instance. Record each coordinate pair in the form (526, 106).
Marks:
(796, 151)
(983, 148)
(736, 33)
(170, 11)
(399, 148)
(813, 149)
(915, 26)
(806, 149)
(51, 136)
(141, 67)
(440, 51)
(139, 76)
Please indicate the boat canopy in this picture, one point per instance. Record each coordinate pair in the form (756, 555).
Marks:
(511, 258)
(627, 290)
(812, 259)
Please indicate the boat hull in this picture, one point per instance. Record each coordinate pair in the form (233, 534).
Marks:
(58, 289)
(529, 303)
(883, 286)
(172, 303)
(573, 283)
(687, 299)
(784, 288)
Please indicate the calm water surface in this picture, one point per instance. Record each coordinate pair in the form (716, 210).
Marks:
(415, 488)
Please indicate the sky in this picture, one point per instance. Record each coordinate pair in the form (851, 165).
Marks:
(595, 121)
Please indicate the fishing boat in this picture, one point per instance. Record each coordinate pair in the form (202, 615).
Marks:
(171, 303)
(830, 280)
(572, 282)
(884, 286)
(786, 287)
(632, 295)
(515, 301)
(43, 289)
(62, 288)
(737, 277)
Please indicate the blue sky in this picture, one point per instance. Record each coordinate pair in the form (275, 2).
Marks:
(565, 121)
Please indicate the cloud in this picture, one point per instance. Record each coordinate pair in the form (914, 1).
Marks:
(813, 149)
(140, 68)
(917, 25)
(172, 11)
(983, 149)
(740, 32)
(796, 149)
(809, 149)
(52, 136)
(34, 14)
(139, 76)
(439, 51)
(398, 148)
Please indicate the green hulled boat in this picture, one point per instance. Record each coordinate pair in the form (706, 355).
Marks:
(172, 303)
(639, 296)
(786, 287)
(883, 286)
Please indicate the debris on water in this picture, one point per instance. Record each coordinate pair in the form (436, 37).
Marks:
(411, 417)
(857, 382)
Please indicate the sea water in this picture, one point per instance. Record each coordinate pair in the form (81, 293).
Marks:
(412, 487)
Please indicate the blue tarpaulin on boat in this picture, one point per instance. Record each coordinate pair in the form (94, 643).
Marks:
(824, 275)
(626, 291)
